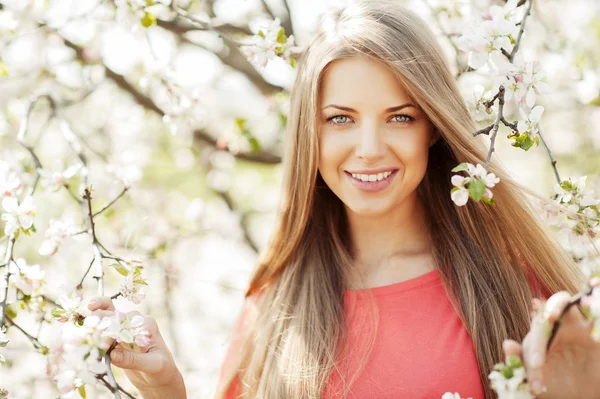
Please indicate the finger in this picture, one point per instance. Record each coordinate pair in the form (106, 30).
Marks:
(511, 348)
(102, 302)
(555, 305)
(536, 341)
(102, 313)
(150, 362)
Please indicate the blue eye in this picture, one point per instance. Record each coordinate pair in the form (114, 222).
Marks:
(338, 119)
(402, 118)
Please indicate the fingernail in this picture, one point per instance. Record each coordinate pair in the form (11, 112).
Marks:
(116, 356)
(536, 386)
(93, 302)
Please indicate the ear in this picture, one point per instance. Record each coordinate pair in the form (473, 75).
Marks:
(435, 136)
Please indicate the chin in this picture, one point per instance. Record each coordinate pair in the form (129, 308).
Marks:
(368, 208)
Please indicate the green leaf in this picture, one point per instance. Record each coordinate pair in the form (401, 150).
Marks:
(461, 168)
(508, 373)
(81, 391)
(454, 189)
(476, 189)
(148, 20)
(526, 143)
(11, 312)
(261, 34)
(489, 201)
(514, 361)
(293, 62)
(241, 125)
(33, 229)
(57, 312)
(566, 185)
(121, 269)
(4, 343)
(141, 282)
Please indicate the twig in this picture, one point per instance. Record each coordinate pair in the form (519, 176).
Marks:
(552, 160)
(229, 201)
(201, 25)
(80, 285)
(521, 30)
(574, 302)
(267, 9)
(111, 202)
(7, 258)
(36, 343)
(111, 378)
(495, 127)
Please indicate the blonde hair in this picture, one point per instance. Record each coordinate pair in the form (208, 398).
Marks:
(296, 329)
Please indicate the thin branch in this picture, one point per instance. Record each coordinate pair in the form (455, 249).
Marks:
(112, 202)
(286, 23)
(521, 30)
(80, 285)
(36, 343)
(201, 25)
(268, 9)
(148, 103)
(574, 302)
(552, 160)
(495, 127)
(247, 238)
(111, 378)
(7, 258)
(512, 125)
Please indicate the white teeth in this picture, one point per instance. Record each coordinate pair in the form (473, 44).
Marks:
(371, 178)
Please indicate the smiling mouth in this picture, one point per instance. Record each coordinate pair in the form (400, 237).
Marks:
(372, 177)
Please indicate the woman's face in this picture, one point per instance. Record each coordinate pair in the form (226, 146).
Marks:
(374, 141)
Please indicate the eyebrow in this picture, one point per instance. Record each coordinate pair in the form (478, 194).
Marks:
(391, 109)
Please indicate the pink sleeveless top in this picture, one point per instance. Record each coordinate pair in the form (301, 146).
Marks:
(421, 349)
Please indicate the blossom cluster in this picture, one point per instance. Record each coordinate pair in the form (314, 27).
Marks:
(18, 216)
(509, 379)
(79, 357)
(576, 218)
(486, 41)
(269, 44)
(132, 287)
(476, 185)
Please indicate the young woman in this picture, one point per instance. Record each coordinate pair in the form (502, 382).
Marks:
(375, 284)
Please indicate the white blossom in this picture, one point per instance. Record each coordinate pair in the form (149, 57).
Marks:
(27, 278)
(510, 388)
(17, 216)
(269, 44)
(57, 233)
(58, 177)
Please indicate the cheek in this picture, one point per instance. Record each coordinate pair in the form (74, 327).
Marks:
(332, 153)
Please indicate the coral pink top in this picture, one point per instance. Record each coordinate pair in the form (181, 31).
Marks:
(421, 349)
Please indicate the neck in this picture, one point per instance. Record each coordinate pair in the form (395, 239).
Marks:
(391, 239)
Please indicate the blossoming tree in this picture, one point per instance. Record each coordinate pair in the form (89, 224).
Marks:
(133, 131)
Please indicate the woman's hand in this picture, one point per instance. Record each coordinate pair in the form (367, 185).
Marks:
(569, 369)
(150, 369)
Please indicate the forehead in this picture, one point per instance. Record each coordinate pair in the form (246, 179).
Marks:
(361, 81)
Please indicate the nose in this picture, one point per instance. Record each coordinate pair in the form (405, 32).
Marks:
(370, 146)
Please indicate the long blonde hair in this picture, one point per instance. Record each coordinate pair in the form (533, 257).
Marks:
(297, 324)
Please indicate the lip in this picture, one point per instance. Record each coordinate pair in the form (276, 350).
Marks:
(372, 186)
(372, 171)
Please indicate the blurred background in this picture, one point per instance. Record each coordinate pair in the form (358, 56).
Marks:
(165, 102)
